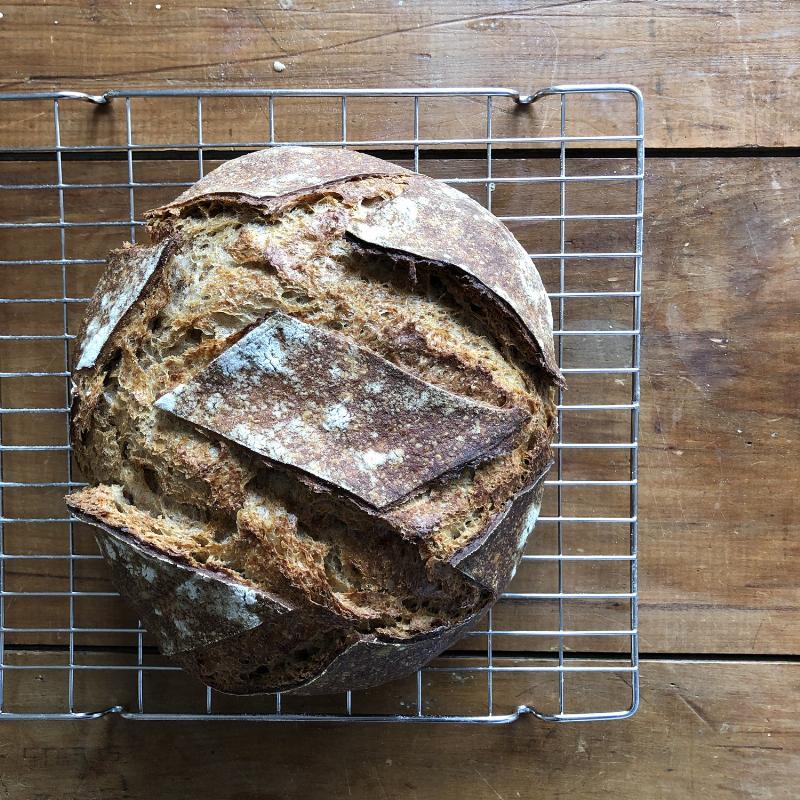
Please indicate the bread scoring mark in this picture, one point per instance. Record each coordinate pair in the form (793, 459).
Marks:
(319, 402)
(126, 275)
(184, 605)
(279, 171)
(437, 222)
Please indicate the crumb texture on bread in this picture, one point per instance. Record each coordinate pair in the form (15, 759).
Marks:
(315, 401)
(356, 563)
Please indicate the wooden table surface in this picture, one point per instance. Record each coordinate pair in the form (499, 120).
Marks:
(719, 513)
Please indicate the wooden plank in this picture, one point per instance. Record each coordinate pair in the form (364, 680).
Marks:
(720, 424)
(718, 507)
(718, 730)
(713, 76)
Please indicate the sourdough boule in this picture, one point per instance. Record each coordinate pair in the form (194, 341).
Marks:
(315, 415)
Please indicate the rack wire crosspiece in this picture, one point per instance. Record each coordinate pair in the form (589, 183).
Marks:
(568, 624)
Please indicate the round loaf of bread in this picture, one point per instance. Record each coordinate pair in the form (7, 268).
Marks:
(315, 415)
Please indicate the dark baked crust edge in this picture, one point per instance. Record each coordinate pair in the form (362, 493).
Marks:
(365, 662)
(254, 181)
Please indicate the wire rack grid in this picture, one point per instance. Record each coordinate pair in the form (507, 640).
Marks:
(562, 642)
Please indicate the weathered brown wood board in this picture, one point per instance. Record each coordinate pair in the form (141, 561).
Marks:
(720, 484)
(706, 729)
(718, 504)
(714, 74)
(719, 530)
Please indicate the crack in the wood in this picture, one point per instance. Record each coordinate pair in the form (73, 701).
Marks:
(290, 54)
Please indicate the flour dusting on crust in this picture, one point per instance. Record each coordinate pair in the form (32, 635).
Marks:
(122, 283)
(274, 393)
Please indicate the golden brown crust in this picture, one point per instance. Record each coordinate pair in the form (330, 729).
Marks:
(184, 604)
(373, 589)
(433, 221)
(427, 219)
(491, 558)
(126, 278)
(315, 401)
(278, 172)
(242, 640)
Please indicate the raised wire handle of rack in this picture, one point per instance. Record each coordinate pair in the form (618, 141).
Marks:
(46, 620)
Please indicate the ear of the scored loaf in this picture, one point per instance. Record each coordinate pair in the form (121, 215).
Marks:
(438, 223)
(362, 664)
(277, 172)
(126, 276)
(228, 633)
(428, 220)
(182, 604)
(492, 558)
(315, 401)
(492, 562)
(371, 662)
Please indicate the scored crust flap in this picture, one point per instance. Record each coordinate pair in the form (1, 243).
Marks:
(317, 402)
(208, 620)
(276, 172)
(435, 222)
(491, 559)
(428, 219)
(125, 278)
(184, 606)
(371, 662)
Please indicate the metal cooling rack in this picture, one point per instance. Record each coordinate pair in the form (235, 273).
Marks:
(562, 643)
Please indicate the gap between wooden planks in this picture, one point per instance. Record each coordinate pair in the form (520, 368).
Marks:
(713, 74)
(705, 729)
(719, 544)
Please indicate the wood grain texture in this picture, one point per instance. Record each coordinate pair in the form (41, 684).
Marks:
(719, 415)
(732, 86)
(718, 503)
(720, 424)
(720, 730)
